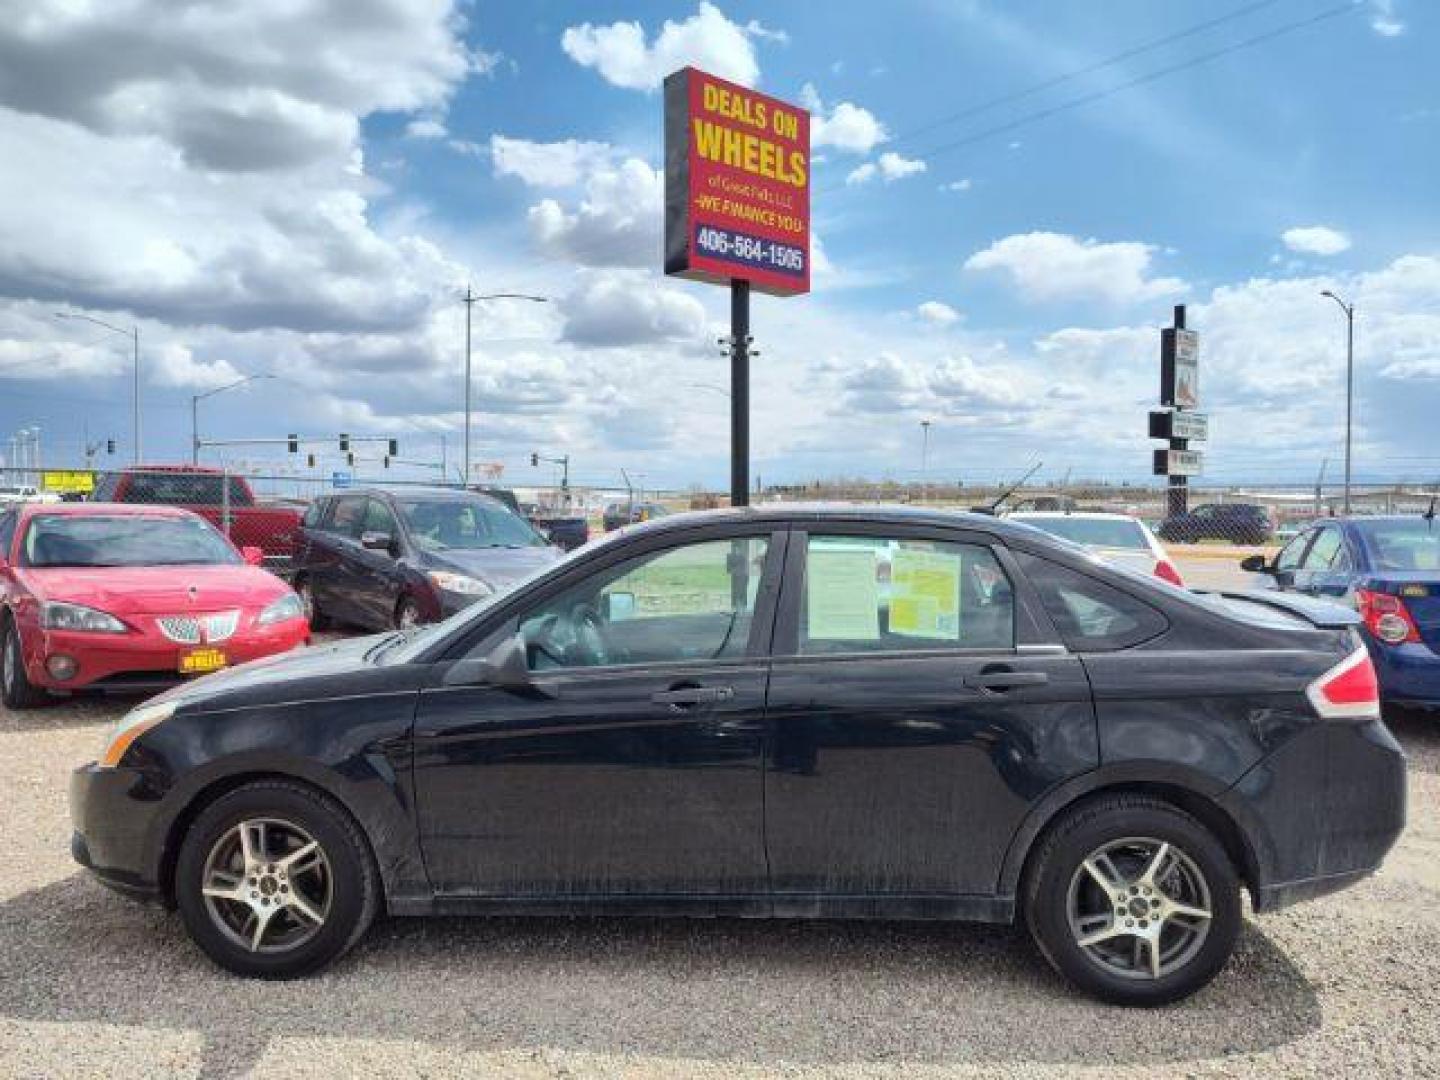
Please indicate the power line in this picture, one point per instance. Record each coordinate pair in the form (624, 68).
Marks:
(1078, 73)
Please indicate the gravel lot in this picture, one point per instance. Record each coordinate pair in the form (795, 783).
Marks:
(91, 984)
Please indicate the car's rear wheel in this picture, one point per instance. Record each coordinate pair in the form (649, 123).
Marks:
(275, 880)
(1133, 900)
(318, 619)
(16, 689)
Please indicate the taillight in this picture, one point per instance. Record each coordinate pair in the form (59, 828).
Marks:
(1386, 617)
(1348, 690)
(1165, 570)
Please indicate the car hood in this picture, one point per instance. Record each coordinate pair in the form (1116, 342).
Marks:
(497, 566)
(155, 590)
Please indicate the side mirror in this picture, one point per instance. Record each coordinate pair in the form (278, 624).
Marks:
(376, 541)
(1255, 564)
(252, 555)
(506, 668)
(618, 606)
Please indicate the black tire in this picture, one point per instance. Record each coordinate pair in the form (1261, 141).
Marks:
(16, 689)
(1058, 864)
(354, 883)
(319, 621)
(407, 613)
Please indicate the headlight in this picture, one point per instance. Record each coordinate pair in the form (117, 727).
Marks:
(287, 607)
(58, 616)
(459, 583)
(131, 726)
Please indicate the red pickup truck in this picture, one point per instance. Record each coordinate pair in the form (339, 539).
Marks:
(236, 512)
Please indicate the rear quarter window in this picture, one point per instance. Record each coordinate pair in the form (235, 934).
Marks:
(1090, 615)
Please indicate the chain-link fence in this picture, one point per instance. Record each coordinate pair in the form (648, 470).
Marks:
(265, 511)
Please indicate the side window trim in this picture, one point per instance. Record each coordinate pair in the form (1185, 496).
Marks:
(786, 642)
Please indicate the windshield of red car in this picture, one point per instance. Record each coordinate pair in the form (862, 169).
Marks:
(71, 540)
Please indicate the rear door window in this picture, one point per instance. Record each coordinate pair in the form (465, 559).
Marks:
(1091, 615)
(346, 516)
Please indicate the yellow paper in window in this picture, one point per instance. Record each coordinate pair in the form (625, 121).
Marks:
(925, 594)
(841, 595)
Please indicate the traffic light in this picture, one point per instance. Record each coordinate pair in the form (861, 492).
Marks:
(294, 441)
(310, 460)
(344, 444)
(110, 446)
(350, 460)
(394, 448)
(534, 459)
(385, 461)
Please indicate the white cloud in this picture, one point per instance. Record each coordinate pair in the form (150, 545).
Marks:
(616, 223)
(889, 167)
(963, 184)
(708, 40)
(426, 128)
(555, 164)
(846, 127)
(1383, 19)
(621, 307)
(937, 313)
(1316, 240)
(1055, 266)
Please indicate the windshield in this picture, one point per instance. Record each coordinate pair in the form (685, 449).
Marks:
(1092, 532)
(466, 524)
(65, 540)
(1402, 545)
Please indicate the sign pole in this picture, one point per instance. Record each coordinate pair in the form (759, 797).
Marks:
(739, 392)
(1179, 495)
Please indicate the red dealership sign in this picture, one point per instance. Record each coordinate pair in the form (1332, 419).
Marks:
(737, 185)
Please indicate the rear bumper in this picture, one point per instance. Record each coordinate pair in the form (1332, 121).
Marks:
(1322, 811)
(1409, 674)
(113, 812)
(113, 661)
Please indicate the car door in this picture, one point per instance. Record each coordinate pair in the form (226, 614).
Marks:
(376, 574)
(1315, 575)
(332, 568)
(918, 707)
(631, 771)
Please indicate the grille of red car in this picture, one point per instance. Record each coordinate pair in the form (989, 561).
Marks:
(188, 629)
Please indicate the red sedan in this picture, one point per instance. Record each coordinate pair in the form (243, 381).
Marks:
(110, 597)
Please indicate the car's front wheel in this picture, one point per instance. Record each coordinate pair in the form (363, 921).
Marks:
(16, 689)
(275, 880)
(1133, 900)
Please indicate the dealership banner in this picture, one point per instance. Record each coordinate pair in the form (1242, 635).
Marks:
(737, 185)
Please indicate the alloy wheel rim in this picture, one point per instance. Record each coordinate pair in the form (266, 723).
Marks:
(1139, 908)
(267, 885)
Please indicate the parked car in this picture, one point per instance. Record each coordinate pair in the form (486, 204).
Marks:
(565, 531)
(16, 494)
(1388, 568)
(618, 514)
(1238, 523)
(379, 559)
(203, 490)
(1116, 538)
(129, 598)
(778, 711)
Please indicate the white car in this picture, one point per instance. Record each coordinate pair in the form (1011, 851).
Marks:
(1117, 538)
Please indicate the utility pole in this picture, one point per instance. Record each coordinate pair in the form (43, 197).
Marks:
(134, 334)
(924, 459)
(1349, 310)
(469, 300)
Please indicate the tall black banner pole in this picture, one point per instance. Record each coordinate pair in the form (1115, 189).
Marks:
(739, 392)
(1179, 500)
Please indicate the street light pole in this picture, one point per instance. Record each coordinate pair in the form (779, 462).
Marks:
(195, 411)
(469, 300)
(134, 335)
(924, 459)
(1349, 310)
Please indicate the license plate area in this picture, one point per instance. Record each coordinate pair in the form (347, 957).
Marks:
(200, 661)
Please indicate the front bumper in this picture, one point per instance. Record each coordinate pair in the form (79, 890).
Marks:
(119, 660)
(114, 812)
(1322, 811)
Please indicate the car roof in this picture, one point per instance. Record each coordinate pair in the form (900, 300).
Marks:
(418, 491)
(103, 509)
(1083, 515)
(803, 513)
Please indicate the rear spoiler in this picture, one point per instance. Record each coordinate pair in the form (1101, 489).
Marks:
(1324, 614)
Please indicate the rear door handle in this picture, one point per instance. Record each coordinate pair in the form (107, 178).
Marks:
(687, 696)
(1005, 680)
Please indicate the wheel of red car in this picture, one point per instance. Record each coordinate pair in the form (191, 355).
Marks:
(16, 689)
(318, 619)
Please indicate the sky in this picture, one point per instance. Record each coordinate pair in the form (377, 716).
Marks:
(1008, 200)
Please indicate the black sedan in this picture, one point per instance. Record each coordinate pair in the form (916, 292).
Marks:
(397, 558)
(838, 713)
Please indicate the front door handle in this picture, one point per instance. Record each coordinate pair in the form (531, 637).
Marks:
(685, 697)
(1005, 680)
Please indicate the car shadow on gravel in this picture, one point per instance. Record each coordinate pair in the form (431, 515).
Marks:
(1419, 733)
(759, 993)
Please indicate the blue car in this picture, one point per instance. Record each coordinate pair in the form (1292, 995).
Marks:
(1388, 569)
